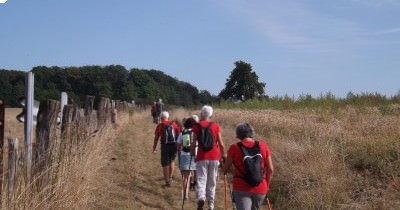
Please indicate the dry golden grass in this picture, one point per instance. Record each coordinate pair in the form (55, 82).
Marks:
(323, 160)
(12, 127)
(347, 159)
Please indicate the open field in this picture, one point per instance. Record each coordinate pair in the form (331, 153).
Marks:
(346, 159)
(12, 126)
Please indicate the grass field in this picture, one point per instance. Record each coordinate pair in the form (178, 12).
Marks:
(342, 159)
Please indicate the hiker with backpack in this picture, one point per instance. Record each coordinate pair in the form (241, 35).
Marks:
(210, 152)
(166, 132)
(186, 160)
(253, 169)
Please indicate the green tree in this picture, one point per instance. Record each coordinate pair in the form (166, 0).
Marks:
(242, 84)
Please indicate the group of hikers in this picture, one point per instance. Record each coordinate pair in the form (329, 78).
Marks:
(201, 154)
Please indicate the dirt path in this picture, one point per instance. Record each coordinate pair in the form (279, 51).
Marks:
(133, 179)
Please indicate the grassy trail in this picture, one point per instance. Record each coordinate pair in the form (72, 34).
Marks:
(132, 179)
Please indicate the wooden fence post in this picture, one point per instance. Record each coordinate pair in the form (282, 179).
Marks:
(102, 112)
(89, 105)
(2, 110)
(88, 112)
(12, 169)
(47, 141)
(70, 130)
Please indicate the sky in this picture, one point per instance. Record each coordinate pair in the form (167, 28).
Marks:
(295, 46)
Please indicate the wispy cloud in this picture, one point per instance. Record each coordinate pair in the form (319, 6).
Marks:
(378, 3)
(299, 26)
(385, 32)
(293, 25)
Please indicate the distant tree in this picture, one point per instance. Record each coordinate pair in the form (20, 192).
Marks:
(206, 97)
(145, 85)
(242, 84)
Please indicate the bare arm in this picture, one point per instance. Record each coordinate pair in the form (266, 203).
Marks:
(179, 145)
(221, 146)
(269, 169)
(193, 145)
(227, 166)
(156, 137)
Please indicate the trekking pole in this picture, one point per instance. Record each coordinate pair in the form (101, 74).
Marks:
(268, 204)
(226, 191)
(230, 192)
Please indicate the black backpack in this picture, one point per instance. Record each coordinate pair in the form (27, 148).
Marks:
(252, 162)
(169, 134)
(206, 138)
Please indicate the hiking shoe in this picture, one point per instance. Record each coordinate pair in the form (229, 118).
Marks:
(200, 204)
(167, 184)
(193, 186)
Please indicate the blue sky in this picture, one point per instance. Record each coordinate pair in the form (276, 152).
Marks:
(296, 47)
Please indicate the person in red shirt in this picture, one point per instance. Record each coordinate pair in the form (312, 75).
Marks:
(245, 195)
(168, 149)
(207, 162)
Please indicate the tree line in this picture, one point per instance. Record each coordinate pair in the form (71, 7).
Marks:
(113, 81)
(144, 86)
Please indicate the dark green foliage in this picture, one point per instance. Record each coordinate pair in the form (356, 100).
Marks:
(242, 84)
(11, 86)
(114, 81)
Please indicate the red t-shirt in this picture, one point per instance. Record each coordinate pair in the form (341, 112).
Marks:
(237, 155)
(214, 153)
(160, 129)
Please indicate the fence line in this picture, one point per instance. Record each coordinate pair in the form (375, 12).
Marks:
(56, 148)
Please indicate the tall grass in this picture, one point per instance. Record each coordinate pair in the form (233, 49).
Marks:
(325, 101)
(338, 159)
(65, 183)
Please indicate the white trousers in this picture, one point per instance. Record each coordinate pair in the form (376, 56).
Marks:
(207, 173)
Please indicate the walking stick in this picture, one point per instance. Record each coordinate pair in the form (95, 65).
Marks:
(226, 191)
(230, 193)
(268, 204)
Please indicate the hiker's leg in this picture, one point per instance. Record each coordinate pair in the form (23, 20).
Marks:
(171, 170)
(165, 162)
(212, 175)
(257, 199)
(186, 178)
(242, 199)
(201, 173)
(166, 170)
(172, 154)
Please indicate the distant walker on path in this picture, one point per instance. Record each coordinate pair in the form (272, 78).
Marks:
(159, 109)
